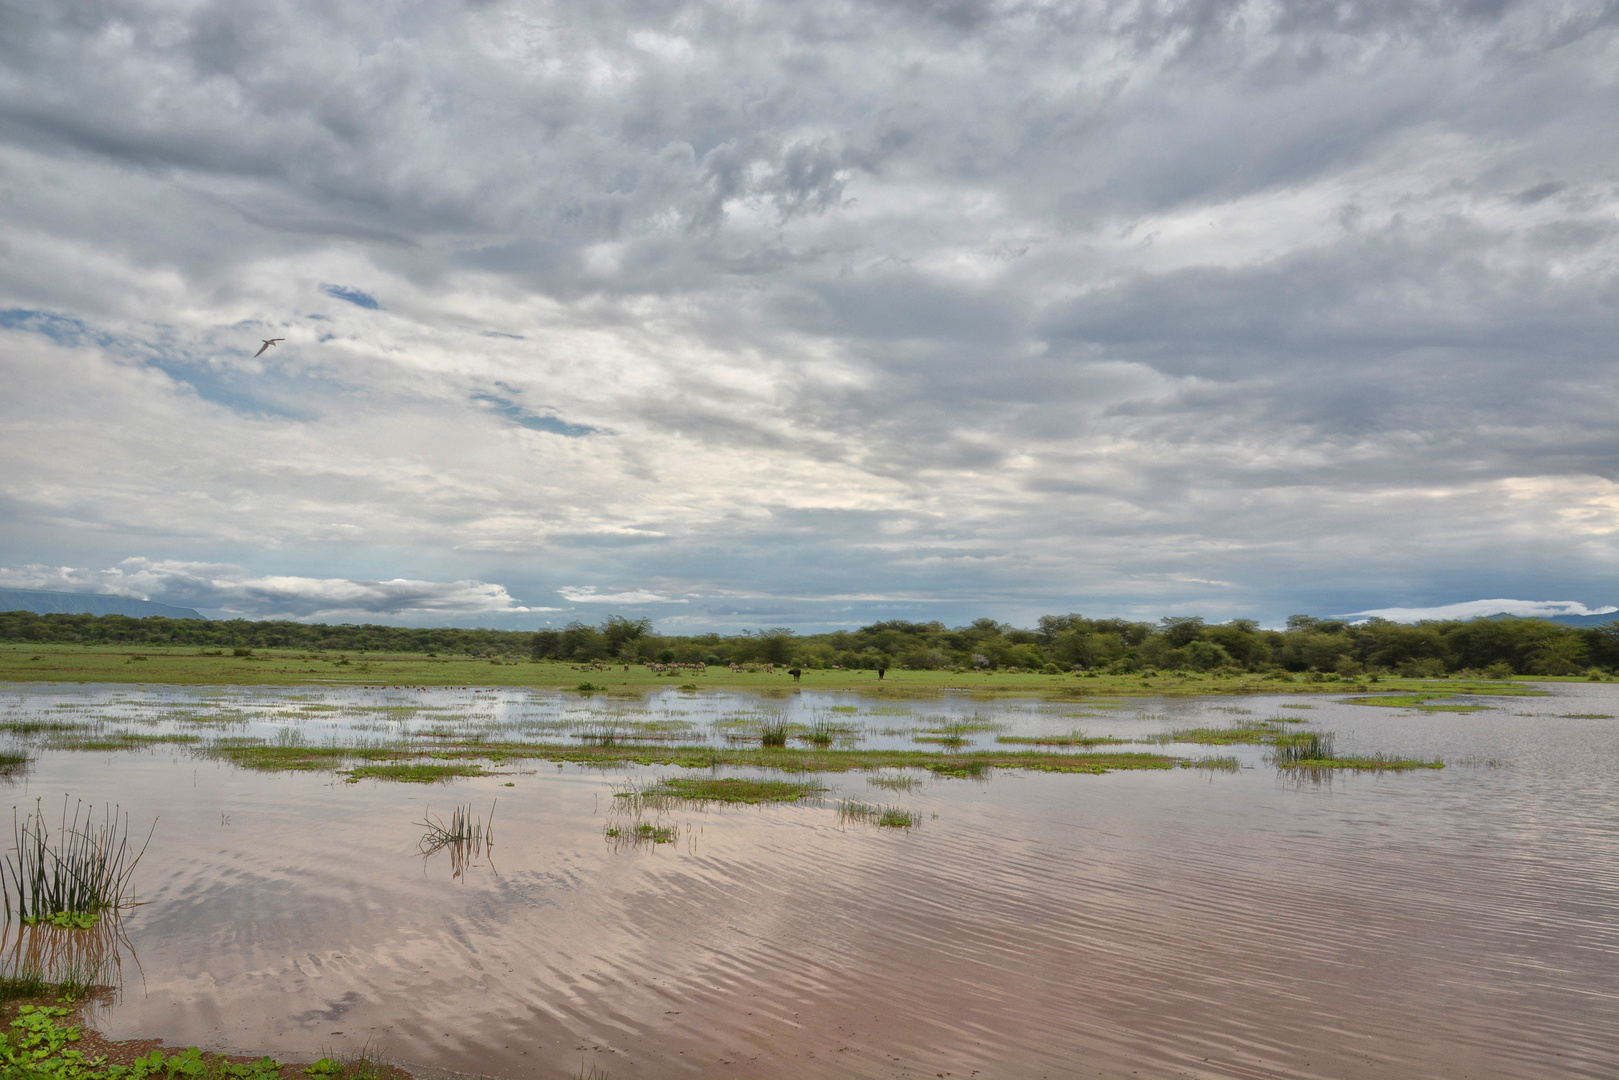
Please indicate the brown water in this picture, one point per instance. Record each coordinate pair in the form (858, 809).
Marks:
(1458, 923)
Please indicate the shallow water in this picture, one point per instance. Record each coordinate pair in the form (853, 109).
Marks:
(1453, 923)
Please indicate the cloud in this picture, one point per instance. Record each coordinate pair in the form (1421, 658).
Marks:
(587, 594)
(231, 591)
(884, 310)
(1473, 609)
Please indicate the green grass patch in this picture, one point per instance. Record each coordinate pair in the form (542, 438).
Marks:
(731, 790)
(415, 773)
(1077, 738)
(1261, 732)
(1313, 751)
(1213, 763)
(117, 740)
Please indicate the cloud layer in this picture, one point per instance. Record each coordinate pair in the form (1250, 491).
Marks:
(228, 591)
(816, 315)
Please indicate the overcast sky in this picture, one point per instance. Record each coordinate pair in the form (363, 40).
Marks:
(753, 314)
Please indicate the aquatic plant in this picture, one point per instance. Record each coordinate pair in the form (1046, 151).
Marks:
(643, 831)
(83, 870)
(413, 773)
(773, 733)
(463, 828)
(888, 817)
(722, 789)
(895, 781)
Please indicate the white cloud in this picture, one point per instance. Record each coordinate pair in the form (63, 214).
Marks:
(231, 590)
(1473, 609)
(587, 594)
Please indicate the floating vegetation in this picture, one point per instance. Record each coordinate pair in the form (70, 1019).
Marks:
(951, 741)
(81, 872)
(433, 773)
(1295, 705)
(1260, 732)
(1075, 738)
(963, 727)
(888, 817)
(723, 789)
(42, 727)
(1586, 716)
(117, 740)
(895, 781)
(1416, 701)
(1213, 763)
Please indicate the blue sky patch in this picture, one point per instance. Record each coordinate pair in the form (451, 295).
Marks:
(534, 421)
(353, 296)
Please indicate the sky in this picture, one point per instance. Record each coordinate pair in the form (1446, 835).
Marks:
(738, 315)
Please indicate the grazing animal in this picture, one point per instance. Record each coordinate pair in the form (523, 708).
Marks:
(795, 673)
(881, 670)
(267, 343)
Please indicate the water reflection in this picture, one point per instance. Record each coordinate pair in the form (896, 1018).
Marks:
(83, 959)
(467, 837)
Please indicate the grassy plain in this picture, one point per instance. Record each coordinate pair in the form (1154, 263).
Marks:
(272, 667)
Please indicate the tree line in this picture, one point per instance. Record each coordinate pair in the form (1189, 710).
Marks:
(1057, 643)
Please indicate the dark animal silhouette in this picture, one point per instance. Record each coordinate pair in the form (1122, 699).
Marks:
(881, 670)
(795, 673)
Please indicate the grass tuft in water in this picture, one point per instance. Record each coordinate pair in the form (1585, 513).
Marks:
(726, 790)
(1313, 751)
(644, 832)
(895, 782)
(83, 870)
(1213, 763)
(462, 828)
(888, 817)
(773, 734)
(413, 774)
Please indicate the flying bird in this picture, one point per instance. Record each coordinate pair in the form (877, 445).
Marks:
(267, 343)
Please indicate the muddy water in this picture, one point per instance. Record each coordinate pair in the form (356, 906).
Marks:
(1452, 923)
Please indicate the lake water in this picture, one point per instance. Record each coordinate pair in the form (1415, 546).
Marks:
(1461, 922)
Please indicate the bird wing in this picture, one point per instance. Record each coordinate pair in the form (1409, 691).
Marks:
(266, 345)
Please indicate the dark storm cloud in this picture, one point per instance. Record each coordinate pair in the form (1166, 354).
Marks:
(990, 301)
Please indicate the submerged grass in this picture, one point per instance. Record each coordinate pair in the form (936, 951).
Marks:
(643, 832)
(255, 754)
(727, 790)
(418, 773)
(1213, 763)
(888, 817)
(1076, 738)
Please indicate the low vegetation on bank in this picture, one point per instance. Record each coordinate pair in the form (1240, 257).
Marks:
(1325, 648)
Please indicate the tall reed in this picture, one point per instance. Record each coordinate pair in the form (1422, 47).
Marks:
(82, 870)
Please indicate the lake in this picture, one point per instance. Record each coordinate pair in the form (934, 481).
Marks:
(1228, 921)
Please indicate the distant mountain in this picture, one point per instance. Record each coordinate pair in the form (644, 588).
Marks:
(1585, 620)
(41, 602)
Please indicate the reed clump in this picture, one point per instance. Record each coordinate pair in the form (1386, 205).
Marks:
(70, 878)
(888, 817)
